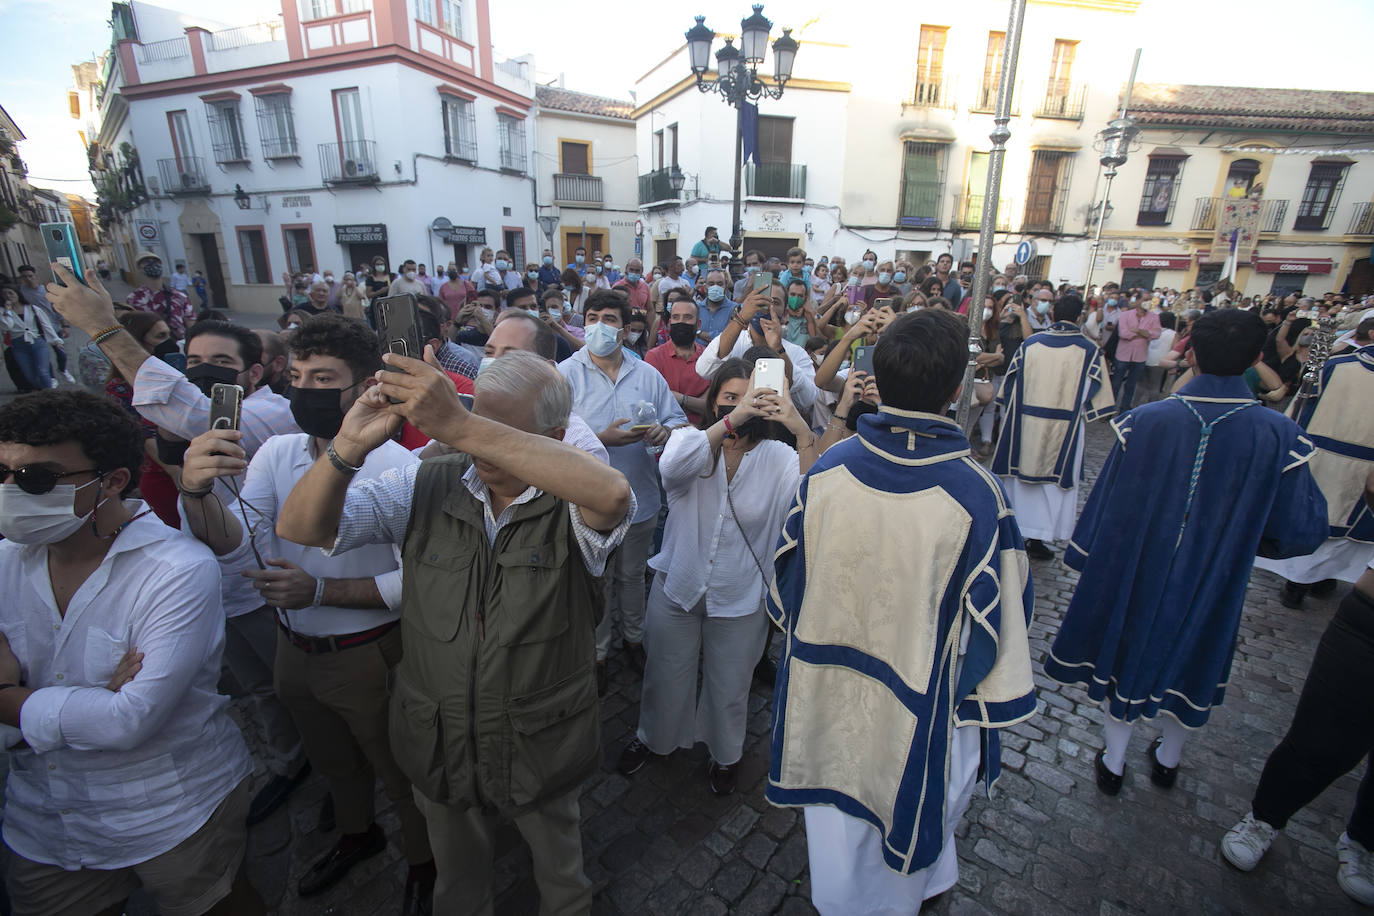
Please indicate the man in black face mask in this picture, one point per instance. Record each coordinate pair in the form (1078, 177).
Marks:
(676, 360)
(332, 612)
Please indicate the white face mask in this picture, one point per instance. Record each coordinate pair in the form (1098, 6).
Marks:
(602, 339)
(555, 313)
(487, 313)
(987, 314)
(46, 518)
(410, 275)
(851, 316)
(633, 336)
(486, 361)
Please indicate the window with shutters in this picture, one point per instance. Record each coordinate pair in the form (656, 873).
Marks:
(426, 12)
(1047, 190)
(930, 65)
(775, 140)
(574, 157)
(512, 135)
(460, 128)
(1160, 193)
(986, 100)
(253, 250)
(276, 126)
(226, 131)
(1319, 198)
(300, 248)
(923, 173)
(452, 19)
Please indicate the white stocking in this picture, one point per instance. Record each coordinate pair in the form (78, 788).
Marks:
(1117, 735)
(1171, 748)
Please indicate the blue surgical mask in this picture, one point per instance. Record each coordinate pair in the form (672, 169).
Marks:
(899, 277)
(1042, 306)
(580, 258)
(555, 313)
(602, 339)
(884, 278)
(634, 277)
(486, 361)
(548, 260)
(501, 264)
(1112, 301)
(533, 313)
(532, 274)
(869, 265)
(715, 293)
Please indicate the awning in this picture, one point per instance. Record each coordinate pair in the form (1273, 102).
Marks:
(1294, 265)
(1066, 142)
(1168, 152)
(1156, 261)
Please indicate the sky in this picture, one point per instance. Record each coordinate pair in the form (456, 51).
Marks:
(1184, 41)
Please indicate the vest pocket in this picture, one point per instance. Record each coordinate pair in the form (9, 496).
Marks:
(417, 740)
(533, 606)
(445, 572)
(555, 739)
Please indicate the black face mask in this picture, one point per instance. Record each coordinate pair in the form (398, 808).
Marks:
(681, 333)
(152, 270)
(453, 275)
(164, 349)
(206, 376)
(316, 410)
(751, 428)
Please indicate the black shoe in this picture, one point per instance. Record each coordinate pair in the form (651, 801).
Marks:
(635, 650)
(603, 679)
(1291, 595)
(1107, 781)
(633, 757)
(419, 893)
(722, 778)
(765, 672)
(1323, 588)
(1037, 550)
(272, 795)
(326, 822)
(1160, 775)
(349, 851)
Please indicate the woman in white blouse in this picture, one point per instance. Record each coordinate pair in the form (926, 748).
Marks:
(30, 335)
(729, 487)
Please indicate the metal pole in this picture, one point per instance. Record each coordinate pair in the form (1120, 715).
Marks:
(1107, 191)
(736, 227)
(999, 136)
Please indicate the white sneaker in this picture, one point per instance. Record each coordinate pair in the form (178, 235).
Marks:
(52, 383)
(68, 376)
(1356, 874)
(1247, 842)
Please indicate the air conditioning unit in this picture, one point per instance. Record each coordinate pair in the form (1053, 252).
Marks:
(351, 168)
(189, 180)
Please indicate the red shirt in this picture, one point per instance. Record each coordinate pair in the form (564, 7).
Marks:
(411, 437)
(681, 374)
(638, 292)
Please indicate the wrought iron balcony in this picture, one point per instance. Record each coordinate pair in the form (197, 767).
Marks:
(350, 162)
(985, 102)
(775, 179)
(577, 189)
(1063, 100)
(1205, 212)
(1362, 220)
(968, 212)
(920, 205)
(183, 175)
(655, 187)
(934, 92)
(1271, 217)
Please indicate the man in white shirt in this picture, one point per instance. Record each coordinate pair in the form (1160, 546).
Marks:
(125, 769)
(767, 332)
(676, 279)
(216, 351)
(408, 282)
(337, 639)
(180, 280)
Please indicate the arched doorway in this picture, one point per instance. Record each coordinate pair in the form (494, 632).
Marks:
(1241, 177)
(1360, 282)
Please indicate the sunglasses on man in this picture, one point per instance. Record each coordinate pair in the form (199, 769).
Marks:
(37, 479)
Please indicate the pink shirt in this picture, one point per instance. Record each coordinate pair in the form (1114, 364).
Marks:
(1129, 347)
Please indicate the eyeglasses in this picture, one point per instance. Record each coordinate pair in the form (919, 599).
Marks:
(36, 479)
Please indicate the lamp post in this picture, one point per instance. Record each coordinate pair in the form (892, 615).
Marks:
(1114, 142)
(737, 80)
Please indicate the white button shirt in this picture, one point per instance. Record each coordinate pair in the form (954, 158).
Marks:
(803, 369)
(705, 551)
(274, 471)
(109, 780)
(166, 397)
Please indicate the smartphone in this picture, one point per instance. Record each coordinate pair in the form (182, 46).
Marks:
(59, 239)
(883, 304)
(863, 359)
(762, 280)
(768, 373)
(226, 406)
(398, 326)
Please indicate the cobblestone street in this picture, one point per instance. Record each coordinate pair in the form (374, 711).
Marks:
(1048, 842)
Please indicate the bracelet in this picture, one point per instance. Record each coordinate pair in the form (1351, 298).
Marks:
(105, 334)
(343, 467)
(728, 428)
(196, 494)
(739, 321)
(319, 593)
(835, 416)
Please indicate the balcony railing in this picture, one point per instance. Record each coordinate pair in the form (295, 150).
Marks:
(775, 179)
(170, 49)
(985, 102)
(936, 92)
(350, 162)
(185, 175)
(968, 212)
(1362, 220)
(655, 186)
(512, 159)
(920, 205)
(1205, 212)
(1316, 221)
(1063, 100)
(577, 189)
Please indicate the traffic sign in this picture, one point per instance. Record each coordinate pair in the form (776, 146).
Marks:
(639, 228)
(1025, 252)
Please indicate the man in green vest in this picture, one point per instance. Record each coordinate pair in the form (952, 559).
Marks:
(494, 709)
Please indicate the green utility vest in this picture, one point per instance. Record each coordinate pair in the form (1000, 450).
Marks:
(494, 702)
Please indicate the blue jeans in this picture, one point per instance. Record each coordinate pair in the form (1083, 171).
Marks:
(1126, 375)
(34, 361)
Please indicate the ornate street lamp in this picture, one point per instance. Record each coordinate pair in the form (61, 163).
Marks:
(1114, 142)
(737, 81)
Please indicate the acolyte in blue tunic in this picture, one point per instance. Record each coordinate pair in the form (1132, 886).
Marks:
(898, 550)
(1196, 485)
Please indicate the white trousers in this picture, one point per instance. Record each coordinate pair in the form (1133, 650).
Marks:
(848, 874)
(671, 713)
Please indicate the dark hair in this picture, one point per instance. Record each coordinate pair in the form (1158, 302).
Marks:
(813, 343)
(920, 359)
(552, 291)
(430, 327)
(211, 315)
(19, 270)
(938, 302)
(732, 368)
(1365, 328)
(603, 299)
(436, 307)
(106, 432)
(519, 294)
(139, 323)
(544, 344)
(931, 286)
(250, 344)
(1168, 320)
(1227, 341)
(1068, 308)
(489, 293)
(342, 338)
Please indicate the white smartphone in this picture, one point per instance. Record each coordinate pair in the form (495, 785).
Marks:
(768, 373)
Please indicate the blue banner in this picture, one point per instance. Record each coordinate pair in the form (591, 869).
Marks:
(749, 129)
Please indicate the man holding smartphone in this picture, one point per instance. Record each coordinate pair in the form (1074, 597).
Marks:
(762, 330)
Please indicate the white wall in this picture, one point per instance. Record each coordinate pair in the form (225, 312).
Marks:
(613, 160)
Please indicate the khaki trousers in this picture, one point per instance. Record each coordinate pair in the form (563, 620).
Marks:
(463, 841)
(339, 701)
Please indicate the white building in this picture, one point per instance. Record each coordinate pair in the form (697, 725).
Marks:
(587, 171)
(881, 141)
(346, 130)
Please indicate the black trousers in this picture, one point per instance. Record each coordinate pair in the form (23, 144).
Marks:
(1333, 728)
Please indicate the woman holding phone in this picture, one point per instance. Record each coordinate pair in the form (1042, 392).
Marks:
(729, 486)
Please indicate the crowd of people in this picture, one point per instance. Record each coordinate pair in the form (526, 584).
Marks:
(417, 570)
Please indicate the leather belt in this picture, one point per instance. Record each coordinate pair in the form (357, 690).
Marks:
(315, 645)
